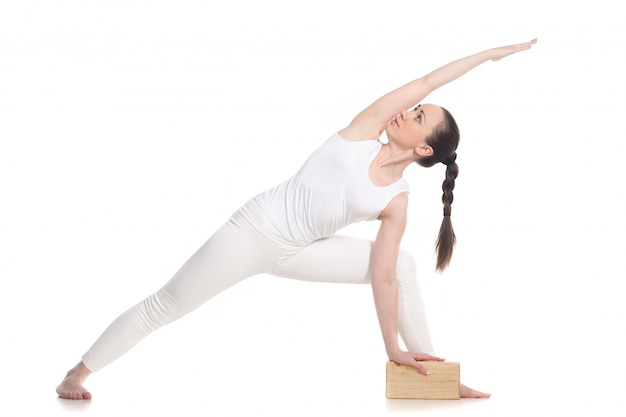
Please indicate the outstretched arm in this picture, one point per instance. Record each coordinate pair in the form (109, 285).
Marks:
(384, 283)
(371, 122)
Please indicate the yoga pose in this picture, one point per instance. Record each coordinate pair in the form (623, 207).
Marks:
(289, 230)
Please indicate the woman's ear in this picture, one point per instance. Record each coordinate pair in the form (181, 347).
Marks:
(424, 150)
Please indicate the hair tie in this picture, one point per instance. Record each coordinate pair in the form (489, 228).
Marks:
(449, 160)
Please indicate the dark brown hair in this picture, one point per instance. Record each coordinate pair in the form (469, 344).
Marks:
(444, 140)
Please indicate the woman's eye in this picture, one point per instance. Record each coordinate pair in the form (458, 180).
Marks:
(419, 118)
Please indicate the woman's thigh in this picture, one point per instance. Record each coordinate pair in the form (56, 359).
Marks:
(231, 255)
(344, 259)
(340, 259)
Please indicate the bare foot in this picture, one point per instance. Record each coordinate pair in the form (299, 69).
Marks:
(72, 386)
(467, 392)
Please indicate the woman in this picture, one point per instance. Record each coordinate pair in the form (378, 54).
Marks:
(290, 230)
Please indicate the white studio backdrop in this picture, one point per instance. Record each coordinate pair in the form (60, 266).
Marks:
(130, 131)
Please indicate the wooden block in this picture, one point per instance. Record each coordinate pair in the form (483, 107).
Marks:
(443, 382)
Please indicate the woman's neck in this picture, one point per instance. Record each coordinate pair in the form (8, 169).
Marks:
(389, 165)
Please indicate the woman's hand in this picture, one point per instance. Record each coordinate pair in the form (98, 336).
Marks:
(412, 359)
(372, 121)
(504, 51)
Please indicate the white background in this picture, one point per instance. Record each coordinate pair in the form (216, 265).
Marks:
(130, 131)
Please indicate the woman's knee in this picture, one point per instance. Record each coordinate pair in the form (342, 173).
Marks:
(158, 310)
(406, 268)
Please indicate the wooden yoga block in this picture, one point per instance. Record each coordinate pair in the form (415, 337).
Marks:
(442, 383)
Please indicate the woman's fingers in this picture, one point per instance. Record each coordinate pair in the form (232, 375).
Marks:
(420, 368)
(415, 360)
(504, 51)
(425, 357)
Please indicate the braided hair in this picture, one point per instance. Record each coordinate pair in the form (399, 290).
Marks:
(444, 141)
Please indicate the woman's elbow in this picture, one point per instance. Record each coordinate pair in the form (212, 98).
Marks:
(383, 278)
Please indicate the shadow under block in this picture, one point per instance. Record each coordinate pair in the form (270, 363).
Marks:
(442, 383)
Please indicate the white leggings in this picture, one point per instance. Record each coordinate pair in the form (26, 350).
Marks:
(247, 245)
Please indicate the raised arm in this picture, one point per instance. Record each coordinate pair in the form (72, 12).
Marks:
(370, 123)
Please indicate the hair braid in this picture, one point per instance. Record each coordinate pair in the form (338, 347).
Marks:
(447, 238)
(444, 141)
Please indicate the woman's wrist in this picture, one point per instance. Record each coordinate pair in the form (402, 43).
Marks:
(393, 352)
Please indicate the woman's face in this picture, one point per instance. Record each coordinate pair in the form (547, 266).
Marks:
(410, 129)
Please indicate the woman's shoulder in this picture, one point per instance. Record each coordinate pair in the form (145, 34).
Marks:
(338, 136)
(357, 133)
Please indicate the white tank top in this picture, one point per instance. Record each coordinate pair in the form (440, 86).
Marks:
(331, 190)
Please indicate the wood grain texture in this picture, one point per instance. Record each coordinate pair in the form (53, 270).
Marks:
(443, 382)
